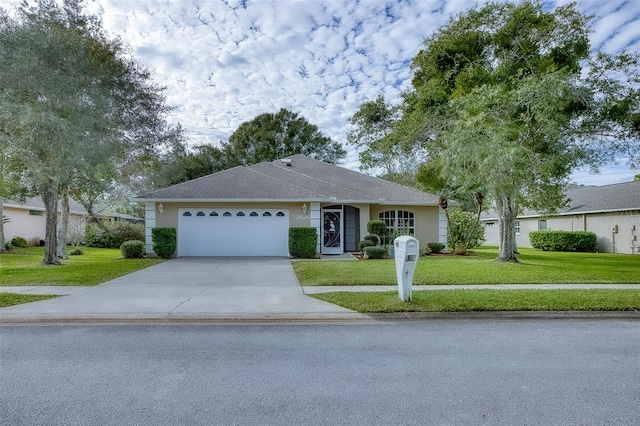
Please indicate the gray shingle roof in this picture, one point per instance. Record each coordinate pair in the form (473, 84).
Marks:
(305, 179)
(36, 203)
(594, 199)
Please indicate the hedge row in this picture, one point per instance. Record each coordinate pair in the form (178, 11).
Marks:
(164, 241)
(302, 242)
(564, 240)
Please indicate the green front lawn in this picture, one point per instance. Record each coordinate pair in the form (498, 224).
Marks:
(10, 299)
(535, 267)
(488, 300)
(95, 266)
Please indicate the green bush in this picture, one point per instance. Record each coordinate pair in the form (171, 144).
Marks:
(164, 241)
(465, 229)
(8, 246)
(303, 242)
(75, 252)
(133, 249)
(435, 247)
(377, 227)
(375, 252)
(113, 234)
(549, 240)
(369, 240)
(366, 243)
(18, 242)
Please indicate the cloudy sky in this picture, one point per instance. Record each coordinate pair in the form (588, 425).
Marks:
(226, 61)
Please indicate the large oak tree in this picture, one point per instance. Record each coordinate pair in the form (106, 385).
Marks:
(72, 102)
(508, 99)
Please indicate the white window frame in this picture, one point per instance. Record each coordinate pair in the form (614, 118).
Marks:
(398, 220)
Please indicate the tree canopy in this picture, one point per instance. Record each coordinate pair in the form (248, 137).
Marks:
(507, 99)
(74, 107)
(267, 137)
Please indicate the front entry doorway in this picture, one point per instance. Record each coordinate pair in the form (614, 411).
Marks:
(340, 229)
(332, 235)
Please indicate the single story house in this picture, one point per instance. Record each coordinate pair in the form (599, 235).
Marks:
(247, 211)
(612, 212)
(28, 219)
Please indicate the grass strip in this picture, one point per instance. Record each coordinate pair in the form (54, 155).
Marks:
(488, 300)
(10, 299)
(95, 266)
(535, 267)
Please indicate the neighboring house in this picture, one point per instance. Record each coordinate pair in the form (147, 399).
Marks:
(247, 211)
(612, 212)
(28, 219)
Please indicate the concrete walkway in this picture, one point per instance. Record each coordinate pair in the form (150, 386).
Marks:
(185, 289)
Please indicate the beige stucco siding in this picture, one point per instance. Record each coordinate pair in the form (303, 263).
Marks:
(30, 227)
(169, 217)
(600, 224)
(620, 242)
(426, 220)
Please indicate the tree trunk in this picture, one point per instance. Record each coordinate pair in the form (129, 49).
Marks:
(64, 226)
(50, 198)
(506, 216)
(444, 203)
(2, 242)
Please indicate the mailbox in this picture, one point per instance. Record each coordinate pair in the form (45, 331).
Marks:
(407, 250)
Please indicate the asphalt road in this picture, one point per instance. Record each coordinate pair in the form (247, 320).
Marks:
(439, 372)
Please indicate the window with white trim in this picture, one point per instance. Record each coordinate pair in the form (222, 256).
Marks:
(516, 227)
(400, 221)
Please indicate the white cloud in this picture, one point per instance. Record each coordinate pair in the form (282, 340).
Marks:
(223, 63)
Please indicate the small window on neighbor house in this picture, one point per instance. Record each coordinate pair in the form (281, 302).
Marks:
(253, 214)
(280, 214)
(516, 227)
(35, 213)
(186, 214)
(266, 214)
(200, 214)
(542, 225)
(226, 214)
(240, 214)
(213, 214)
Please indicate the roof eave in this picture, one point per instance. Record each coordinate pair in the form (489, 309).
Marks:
(279, 200)
(575, 213)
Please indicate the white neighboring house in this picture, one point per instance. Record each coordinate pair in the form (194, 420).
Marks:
(612, 212)
(28, 219)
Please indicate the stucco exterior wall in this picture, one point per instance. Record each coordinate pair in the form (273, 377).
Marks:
(601, 224)
(169, 216)
(30, 227)
(426, 220)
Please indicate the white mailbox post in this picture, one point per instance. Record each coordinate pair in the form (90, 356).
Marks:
(406, 251)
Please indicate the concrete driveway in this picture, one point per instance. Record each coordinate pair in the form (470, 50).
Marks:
(191, 288)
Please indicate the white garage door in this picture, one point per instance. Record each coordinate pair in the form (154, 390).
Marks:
(233, 232)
